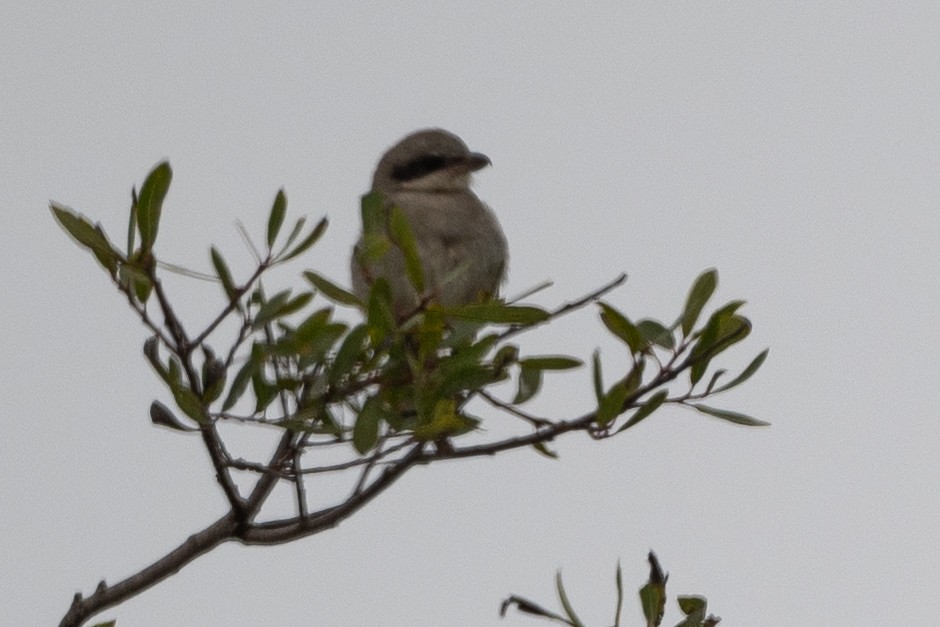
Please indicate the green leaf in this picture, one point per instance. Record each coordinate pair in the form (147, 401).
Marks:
(244, 375)
(294, 232)
(551, 362)
(350, 351)
(110, 623)
(701, 291)
(611, 405)
(372, 210)
(276, 217)
(730, 416)
(404, 238)
(530, 380)
(150, 204)
(366, 430)
(689, 604)
(308, 241)
(151, 351)
(132, 223)
(647, 408)
(161, 416)
(270, 310)
(222, 271)
(655, 333)
(619, 582)
(723, 329)
(90, 236)
(331, 290)
(565, 604)
(747, 373)
(466, 377)
(597, 376)
(189, 403)
(379, 317)
(136, 278)
(445, 421)
(497, 313)
(542, 448)
(653, 594)
(263, 389)
(621, 327)
(213, 376)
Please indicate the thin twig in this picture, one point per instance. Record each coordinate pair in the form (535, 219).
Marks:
(536, 422)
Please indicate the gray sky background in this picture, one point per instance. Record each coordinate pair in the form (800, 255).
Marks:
(796, 149)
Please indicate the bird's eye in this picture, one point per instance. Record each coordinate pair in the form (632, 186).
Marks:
(416, 168)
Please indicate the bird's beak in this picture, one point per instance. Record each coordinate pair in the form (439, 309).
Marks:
(476, 161)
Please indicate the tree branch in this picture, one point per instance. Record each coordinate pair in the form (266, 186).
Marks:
(106, 596)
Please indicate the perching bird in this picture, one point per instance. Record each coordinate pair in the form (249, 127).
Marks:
(460, 244)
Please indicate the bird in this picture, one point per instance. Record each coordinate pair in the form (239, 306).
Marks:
(460, 244)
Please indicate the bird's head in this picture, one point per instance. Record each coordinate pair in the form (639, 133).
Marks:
(431, 160)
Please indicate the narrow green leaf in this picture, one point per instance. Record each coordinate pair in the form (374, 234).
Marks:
(619, 582)
(161, 416)
(565, 604)
(295, 304)
(748, 372)
(445, 421)
(656, 333)
(635, 376)
(150, 203)
(621, 327)
(90, 236)
(611, 405)
(722, 330)
(404, 238)
(597, 376)
(551, 362)
(701, 291)
(243, 376)
(294, 232)
(265, 392)
(276, 217)
(189, 403)
(647, 408)
(366, 430)
(213, 376)
(151, 351)
(331, 290)
(730, 416)
(372, 210)
(530, 380)
(528, 607)
(270, 310)
(308, 241)
(379, 316)
(222, 271)
(350, 351)
(134, 277)
(711, 383)
(132, 223)
(497, 313)
(542, 448)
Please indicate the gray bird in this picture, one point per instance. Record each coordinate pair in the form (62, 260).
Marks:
(460, 244)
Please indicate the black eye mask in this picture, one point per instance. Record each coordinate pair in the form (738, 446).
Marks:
(423, 165)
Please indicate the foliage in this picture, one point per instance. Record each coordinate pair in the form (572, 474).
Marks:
(652, 602)
(385, 394)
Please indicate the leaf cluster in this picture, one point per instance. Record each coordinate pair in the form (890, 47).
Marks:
(386, 393)
(652, 601)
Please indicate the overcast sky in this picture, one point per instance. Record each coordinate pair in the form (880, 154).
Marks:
(796, 149)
